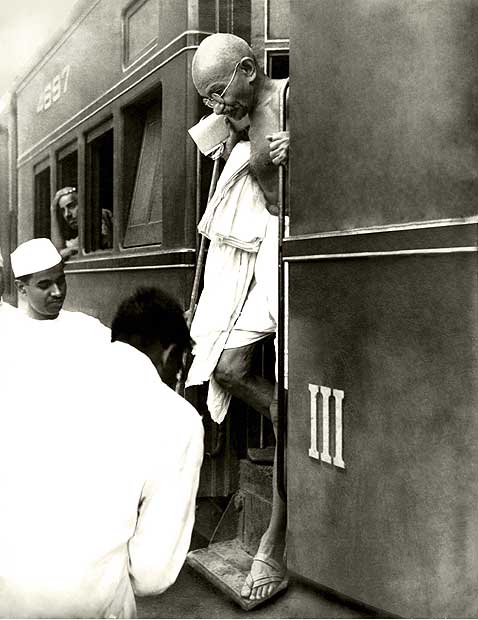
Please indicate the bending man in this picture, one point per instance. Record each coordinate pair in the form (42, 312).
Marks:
(99, 479)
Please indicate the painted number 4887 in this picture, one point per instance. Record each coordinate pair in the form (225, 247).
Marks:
(54, 90)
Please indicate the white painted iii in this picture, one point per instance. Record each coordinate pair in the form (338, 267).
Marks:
(316, 415)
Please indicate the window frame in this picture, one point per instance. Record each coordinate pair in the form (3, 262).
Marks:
(91, 242)
(147, 233)
(42, 210)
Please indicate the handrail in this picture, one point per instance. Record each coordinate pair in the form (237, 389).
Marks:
(281, 392)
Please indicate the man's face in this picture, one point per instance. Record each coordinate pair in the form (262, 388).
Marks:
(45, 292)
(69, 209)
(229, 94)
(166, 361)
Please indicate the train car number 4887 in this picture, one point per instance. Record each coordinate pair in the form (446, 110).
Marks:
(53, 91)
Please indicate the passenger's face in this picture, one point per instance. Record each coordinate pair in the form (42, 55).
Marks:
(69, 209)
(45, 292)
(228, 94)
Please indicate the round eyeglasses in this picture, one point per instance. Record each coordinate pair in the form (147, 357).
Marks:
(218, 99)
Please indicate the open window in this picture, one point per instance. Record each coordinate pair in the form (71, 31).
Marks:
(278, 64)
(145, 219)
(42, 197)
(99, 189)
(67, 177)
(67, 166)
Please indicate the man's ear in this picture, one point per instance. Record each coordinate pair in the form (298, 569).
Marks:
(248, 65)
(168, 354)
(21, 287)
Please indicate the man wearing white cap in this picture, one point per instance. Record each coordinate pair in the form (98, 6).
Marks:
(40, 279)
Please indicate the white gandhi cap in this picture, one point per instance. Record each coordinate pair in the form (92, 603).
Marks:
(33, 256)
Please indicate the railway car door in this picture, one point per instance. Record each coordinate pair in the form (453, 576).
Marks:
(382, 427)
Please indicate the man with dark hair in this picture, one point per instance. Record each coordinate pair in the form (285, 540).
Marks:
(100, 481)
(153, 322)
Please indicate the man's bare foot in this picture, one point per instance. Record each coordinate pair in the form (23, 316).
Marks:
(266, 578)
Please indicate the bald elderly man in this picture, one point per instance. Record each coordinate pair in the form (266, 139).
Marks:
(227, 76)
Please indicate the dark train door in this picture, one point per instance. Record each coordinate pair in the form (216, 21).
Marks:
(383, 295)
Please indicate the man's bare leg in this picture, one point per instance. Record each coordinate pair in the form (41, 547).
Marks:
(233, 373)
(272, 543)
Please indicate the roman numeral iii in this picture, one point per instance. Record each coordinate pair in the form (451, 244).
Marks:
(320, 424)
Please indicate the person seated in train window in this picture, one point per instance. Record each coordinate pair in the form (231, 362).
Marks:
(101, 470)
(64, 223)
(226, 74)
(40, 280)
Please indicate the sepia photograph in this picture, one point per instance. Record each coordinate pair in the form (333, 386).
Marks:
(238, 389)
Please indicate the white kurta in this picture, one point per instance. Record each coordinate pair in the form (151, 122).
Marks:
(7, 312)
(99, 468)
(11, 320)
(68, 330)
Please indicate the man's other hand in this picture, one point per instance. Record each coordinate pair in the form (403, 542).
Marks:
(279, 147)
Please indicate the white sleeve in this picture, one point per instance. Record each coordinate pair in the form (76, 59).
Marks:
(166, 514)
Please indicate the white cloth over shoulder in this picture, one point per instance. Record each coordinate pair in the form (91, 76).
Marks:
(99, 468)
(236, 214)
(237, 222)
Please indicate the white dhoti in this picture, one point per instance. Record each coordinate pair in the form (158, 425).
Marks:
(258, 316)
(238, 305)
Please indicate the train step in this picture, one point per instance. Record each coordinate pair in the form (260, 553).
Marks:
(225, 565)
(261, 455)
(226, 561)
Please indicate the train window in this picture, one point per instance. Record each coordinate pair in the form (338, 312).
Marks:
(278, 64)
(140, 29)
(67, 166)
(99, 189)
(42, 199)
(145, 222)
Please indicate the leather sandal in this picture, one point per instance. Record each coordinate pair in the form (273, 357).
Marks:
(277, 577)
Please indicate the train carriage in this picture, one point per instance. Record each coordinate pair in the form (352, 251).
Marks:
(107, 95)
(382, 422)
(105, 108)
(378, 266)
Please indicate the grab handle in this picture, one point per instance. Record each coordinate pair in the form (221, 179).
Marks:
(281, 392)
